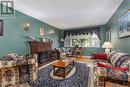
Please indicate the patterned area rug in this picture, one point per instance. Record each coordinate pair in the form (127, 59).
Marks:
(79, 79)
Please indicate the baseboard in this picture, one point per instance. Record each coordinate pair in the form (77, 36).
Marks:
(46, 65)
(87, 56)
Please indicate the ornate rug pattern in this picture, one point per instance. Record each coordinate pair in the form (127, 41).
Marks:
(79, 79)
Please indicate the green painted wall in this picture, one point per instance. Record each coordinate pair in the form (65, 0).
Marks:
(15, 37)
(123, 43)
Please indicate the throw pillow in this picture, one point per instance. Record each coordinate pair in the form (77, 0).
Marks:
(100, 56)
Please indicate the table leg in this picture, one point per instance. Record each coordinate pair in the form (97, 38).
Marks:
(64, 73)
(73, 63)
(54, 71)
(104, 82)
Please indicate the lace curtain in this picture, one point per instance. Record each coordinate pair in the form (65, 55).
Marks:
(83, 40)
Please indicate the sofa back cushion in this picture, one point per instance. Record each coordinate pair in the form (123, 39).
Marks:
(111, 55)
(123, 62)
(116, 57)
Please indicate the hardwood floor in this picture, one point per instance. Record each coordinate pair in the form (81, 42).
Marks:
(83, 59)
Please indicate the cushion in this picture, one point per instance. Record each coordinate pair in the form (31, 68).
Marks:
(116, 57)
(100, 56)
(125, 64)
(111, 67)
(11, 57)
(123, 61)
(111, 54)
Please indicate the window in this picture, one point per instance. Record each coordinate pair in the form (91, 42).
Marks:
(82, 40)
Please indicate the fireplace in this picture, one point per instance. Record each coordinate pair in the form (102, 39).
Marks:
(43, 50)
(44, 57)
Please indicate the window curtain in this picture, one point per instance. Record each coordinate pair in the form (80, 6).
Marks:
(67, 41)
(95, 40)
(92, 39)
(92, 36)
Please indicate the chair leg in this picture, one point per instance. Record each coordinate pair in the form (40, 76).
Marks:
(104, 83)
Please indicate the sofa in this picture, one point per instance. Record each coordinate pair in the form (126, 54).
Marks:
(64, 52)
(116, 68)
(70, 52)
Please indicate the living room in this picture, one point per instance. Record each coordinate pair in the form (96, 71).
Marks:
(82, 39)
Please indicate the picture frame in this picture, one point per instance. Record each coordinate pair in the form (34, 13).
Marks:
(108, 34)
(1, 27)
(41, 32)
(124, 25)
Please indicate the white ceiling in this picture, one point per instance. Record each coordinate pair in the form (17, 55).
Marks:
(66, 14)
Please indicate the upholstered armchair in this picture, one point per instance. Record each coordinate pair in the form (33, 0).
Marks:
(15, 69)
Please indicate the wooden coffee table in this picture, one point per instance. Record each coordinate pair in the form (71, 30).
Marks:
(63, 64)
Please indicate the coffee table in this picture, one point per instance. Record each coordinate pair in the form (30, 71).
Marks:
(66, 65)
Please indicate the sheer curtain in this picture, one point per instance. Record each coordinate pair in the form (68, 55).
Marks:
(85, 40)
(95, 40)
(67, 41)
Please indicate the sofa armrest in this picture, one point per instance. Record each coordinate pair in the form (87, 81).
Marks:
(112, 67)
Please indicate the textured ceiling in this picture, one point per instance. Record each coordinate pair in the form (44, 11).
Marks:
(66, 14)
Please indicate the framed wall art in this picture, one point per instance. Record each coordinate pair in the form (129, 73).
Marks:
(41, 31)
(124, 25)
(108, 34)
(1, 27)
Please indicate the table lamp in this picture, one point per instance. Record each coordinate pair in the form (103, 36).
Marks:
(108, 46)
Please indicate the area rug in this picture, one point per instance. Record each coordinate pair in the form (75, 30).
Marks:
(60, 78)
(79, 79)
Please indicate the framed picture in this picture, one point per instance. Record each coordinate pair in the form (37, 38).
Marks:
(124, 25)
(1, 27)
(108, 34)
(41, 31)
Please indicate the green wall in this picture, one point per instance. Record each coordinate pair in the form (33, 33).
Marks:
(15, 37)
(123, 43)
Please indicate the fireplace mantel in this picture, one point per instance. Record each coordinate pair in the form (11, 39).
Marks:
(39, 47)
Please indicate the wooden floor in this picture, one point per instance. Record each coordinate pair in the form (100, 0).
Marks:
(83, 59)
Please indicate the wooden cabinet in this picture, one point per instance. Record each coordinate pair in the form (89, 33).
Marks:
(39, 47)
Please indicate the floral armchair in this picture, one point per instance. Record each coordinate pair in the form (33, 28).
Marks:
(15, 69)
(116, 69)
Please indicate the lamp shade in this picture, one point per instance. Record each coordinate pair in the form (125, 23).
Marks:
(107, 45)
(61, 39)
